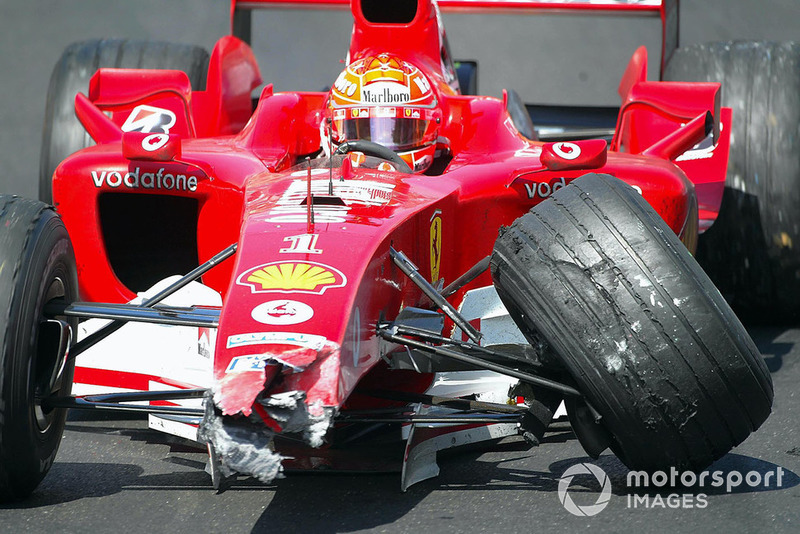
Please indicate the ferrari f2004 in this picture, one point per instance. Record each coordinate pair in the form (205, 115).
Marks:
(308, 279)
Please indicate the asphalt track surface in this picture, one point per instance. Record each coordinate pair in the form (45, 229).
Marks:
(114, 475)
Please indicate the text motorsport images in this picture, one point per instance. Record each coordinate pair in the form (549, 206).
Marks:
(691, 481)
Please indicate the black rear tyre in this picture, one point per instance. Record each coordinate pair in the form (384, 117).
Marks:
(63, 134)
(38, 265)
(597, 275)
(752, 252)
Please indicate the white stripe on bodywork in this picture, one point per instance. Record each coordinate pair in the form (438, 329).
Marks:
(171, 352)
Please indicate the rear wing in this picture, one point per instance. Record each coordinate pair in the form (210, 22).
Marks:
(666, 10)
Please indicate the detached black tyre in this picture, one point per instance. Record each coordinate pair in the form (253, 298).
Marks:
(752, 252)
(596, 274)
(37, 265)
(63, 134)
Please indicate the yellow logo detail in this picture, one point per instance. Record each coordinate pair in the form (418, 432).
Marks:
(436, 247)
(288, 277)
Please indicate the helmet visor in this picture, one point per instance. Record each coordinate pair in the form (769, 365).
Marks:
(396, 134)
(398, 129)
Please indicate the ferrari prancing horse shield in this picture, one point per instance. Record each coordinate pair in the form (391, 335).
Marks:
(436, 245)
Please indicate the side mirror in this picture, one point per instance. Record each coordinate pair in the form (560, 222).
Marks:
(572, 155)
(151, 146)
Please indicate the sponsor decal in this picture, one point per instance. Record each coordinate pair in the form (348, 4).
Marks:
(422, 84)
(365, 192)
(282, 312)
(385, 112)
(436, 245)
(322, 214)
(301, 244)
(292, 277)
(149, 119)
(206, 338)
(153, 142)
(309, 341)
(542, 190)
(388, 94)
(136, 179)
(568, 151)
(290, 208)
(421, 163)
(243, 364)
(345, 86)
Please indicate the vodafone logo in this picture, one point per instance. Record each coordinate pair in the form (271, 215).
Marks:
(153, 142)
(568, 151)
(544, 189)
(136, 179)
(149, 119)
(282, 312)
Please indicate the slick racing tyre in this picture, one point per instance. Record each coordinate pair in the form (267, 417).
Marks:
(38, 266)
(752, 252)
(596, 275)
(63, 134)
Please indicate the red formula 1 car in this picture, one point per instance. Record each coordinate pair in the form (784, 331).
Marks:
(317, 275)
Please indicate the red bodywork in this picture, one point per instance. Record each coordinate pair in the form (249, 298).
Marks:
(332, 280)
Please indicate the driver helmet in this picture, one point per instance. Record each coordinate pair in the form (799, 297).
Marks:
(388, 101)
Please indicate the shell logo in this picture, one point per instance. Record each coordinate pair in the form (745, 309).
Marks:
(292, 277)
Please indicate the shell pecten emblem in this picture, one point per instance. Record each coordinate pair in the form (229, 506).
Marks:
(292, 277)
